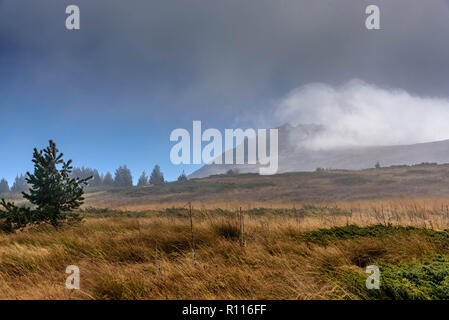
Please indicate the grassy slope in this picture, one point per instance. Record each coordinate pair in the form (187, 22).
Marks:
(326, 186)
(285, 257)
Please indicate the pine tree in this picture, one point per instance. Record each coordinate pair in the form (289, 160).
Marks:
(182, 177)
(108, 181)
(157, 178)
(97, 181)
(123, 177)
(52, 190)
(84, 173)
(143, 180)
(4, 186)
(14, 218)
(20, 184)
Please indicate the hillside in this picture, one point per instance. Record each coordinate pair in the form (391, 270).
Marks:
(295, 156)
(419, 181)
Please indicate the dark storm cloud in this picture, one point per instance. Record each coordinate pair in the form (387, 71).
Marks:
(219, 57)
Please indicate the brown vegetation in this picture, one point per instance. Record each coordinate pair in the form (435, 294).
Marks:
(148, 255)
(282, 190)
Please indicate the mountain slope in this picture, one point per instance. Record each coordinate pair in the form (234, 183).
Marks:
(293, 157)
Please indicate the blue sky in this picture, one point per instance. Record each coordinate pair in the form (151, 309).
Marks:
(111, 93)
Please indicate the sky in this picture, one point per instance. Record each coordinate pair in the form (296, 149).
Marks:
(110, 93)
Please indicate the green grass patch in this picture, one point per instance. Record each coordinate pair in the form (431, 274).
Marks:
(349, 180)
(324, 236)
(416, 280)
(190, 186)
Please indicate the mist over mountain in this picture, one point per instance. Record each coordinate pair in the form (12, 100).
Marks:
(357, 113)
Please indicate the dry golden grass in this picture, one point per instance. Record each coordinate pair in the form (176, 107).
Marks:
(282, 190)
(151, 258)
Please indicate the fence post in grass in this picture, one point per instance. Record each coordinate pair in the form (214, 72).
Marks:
(191, 231)
(157, 260)
(296, 216)
(242, 228)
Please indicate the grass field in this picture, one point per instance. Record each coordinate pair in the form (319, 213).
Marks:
(283, 190)
(306, 252)
(304, 235)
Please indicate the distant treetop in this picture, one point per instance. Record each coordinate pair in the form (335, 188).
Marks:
(157, 178)
(123, 177)
(143, 180)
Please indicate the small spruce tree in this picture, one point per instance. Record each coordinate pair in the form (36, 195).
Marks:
(182, 177)
(52, 191)
(157, 178)
(97, 181)
(4, 186)
(108, 181)
(143, 180)
(20, 184)
(123, 177)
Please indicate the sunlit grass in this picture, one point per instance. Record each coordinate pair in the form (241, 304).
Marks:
(292, 255)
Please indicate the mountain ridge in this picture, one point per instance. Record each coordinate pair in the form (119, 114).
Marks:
(293, 157)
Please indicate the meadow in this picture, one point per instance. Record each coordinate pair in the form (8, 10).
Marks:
(228, 192)
(300, 251)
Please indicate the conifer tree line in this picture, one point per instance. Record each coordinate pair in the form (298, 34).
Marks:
(122, 178)
(19, 185)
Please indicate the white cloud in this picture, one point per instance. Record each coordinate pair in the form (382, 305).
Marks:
(360, 114)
